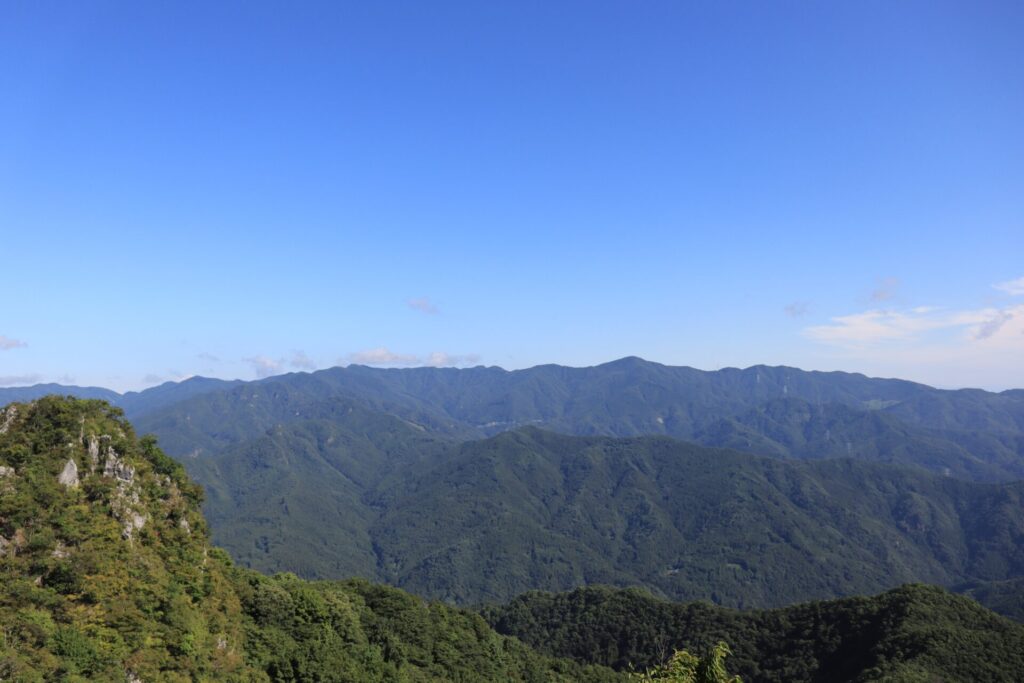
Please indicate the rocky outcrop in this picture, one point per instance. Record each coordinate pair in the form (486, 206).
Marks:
(7, 417)
(69, 475)
(117, 468)
(93, 449)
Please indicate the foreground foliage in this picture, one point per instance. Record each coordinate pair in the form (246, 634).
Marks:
(107, 575)
(913, 633)
(683, 667)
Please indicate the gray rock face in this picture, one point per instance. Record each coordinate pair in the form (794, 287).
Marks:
(69, 475)
(93, 447)
(115, 467)
(6, 471)
(7, 417)
(133, 521)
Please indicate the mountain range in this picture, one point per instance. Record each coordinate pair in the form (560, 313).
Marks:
(109, 575)
(749, 488)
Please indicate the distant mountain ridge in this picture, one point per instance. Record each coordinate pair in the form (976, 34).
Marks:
(776, 411)
(347, 471)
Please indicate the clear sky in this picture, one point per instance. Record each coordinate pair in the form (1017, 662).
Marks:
(242, 189)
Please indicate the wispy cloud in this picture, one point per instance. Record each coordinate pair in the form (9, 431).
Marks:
(13, 380)
(383, 356)
(878, 326)
(992, 326)
(966, 347)
(6, 343)
(301, 361)
(885, 290)
(264, 366)
(423, 304)
(797, 309)
(440, 359)
(1012, 287)
(153, 378)
(208, 357)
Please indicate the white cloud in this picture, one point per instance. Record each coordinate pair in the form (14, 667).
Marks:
(264, 366)
(423, 305)
(382, 356)
(1012, 287)
(439, 359)
(6, 343)
(301, 361)
(969, 347)
(208, 357)
(877, 325)
(11, 380)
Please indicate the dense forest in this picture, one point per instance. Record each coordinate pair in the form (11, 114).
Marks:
(913, 633)
(366, 494)
(858, 484)
(109, 575)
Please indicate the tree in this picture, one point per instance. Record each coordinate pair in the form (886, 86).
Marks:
(683, 667)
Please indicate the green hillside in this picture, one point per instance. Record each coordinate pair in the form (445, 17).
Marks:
(765, 410)
(774, 411)
(373, 496)
(913, 633)
(108, 575)
(794, 428)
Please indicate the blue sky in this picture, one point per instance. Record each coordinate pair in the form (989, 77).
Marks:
(238, 190)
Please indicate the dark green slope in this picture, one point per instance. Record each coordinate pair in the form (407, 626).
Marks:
(970, 433)
(297, 498)
(135, 403)
(795, 428)
(1002, 597)
(108, 575)
(534, 509)
(215, 421)
(913, 633)
(486, 520)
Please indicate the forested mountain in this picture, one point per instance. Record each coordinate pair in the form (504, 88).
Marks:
(914, 633)
(400, 475)
(488, 519)
(766, 410)
(108, 575)
(794, 428)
